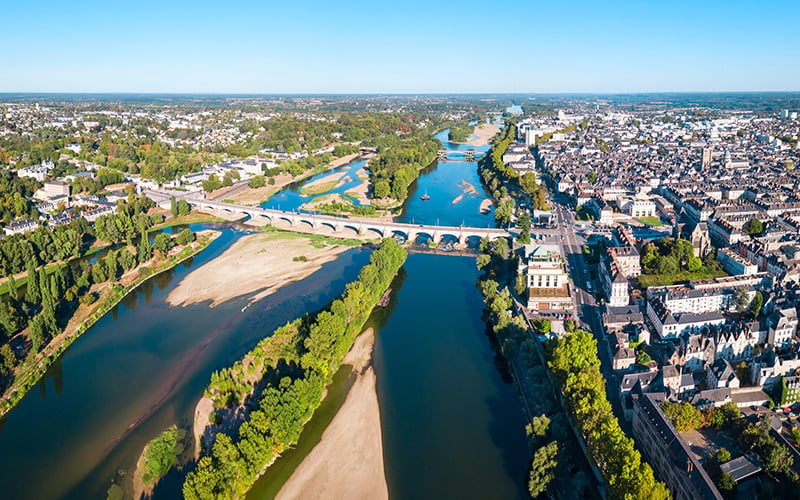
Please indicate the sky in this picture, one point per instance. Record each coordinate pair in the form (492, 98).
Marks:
(411, 46)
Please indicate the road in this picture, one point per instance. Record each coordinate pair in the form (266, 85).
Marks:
(588, 314)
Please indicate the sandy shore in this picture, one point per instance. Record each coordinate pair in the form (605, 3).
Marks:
(347, 463)
(483, 133)
(257, 264)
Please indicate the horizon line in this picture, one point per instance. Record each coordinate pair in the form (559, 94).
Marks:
(313, 94)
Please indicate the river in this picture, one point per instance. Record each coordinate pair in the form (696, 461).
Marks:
(452, 425)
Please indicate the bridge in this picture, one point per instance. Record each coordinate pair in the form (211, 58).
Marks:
(469, 154)
(312, 223)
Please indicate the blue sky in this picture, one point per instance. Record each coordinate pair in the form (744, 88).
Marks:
(399, 47)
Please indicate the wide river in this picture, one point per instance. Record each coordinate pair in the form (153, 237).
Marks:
(452, 424)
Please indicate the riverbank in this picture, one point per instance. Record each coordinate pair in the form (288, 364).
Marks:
(110, 294)
(348, 460)
(256, 265)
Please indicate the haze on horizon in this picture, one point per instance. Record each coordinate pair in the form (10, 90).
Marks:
(416, 47)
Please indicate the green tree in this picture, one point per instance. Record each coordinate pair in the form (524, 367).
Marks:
(683, 416)
(257, 181)
(163, 242)
(161, 454)
(543, 469)
(528, 183)
(757, 304)
(592, 177)
(741, 299)
(173, 206)
(183, 207)
(112, 266)
(753, 227)
(726, 482)
(520, 284)
(9, 360)
(723, 455)
(643, 358)
(145, 250)
(539, 426)
(500, 247)
(483, 260)
(524, 225)
(694, 264)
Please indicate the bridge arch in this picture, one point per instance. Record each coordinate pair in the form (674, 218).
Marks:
(472, 240)
(375, 230)
(424, 237)
(404, 234)
(449, 236)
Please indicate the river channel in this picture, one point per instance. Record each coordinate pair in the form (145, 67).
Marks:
(452, 424)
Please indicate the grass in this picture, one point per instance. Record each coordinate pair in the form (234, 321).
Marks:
(317, 240)
(313, 190)
(192, 218)
(650, 221)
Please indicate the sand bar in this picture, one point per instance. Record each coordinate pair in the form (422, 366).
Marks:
(347, 463)
(483, 133)
(258, 264)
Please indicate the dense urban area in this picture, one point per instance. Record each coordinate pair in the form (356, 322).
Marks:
(639, 278)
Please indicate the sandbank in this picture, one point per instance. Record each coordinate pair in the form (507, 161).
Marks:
(256, 265)
(482, 133)
(348, 460)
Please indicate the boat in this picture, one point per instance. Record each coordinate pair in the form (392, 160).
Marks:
(425, 196)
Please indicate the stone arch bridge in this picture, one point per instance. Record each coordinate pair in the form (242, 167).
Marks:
(312, 223)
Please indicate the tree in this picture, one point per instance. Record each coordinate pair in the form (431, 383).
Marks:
(694, 264)
(183, 207)
(483, 260)
(524, 224)
(757, 304)
(726, 482)
(741, 299)
(683, 416)
(212, 183)
(185, 236)
(257, 181)
(528, 183)
(592, 177)
(753, 227)
(778, 459)
(539, 426)
(723, 455)
(500, 247)
(9, 360)
(643, 358)
(542, 469)
(112, 267)
(520, 284)
(145, 250)
(173, 206)
(163, 242)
